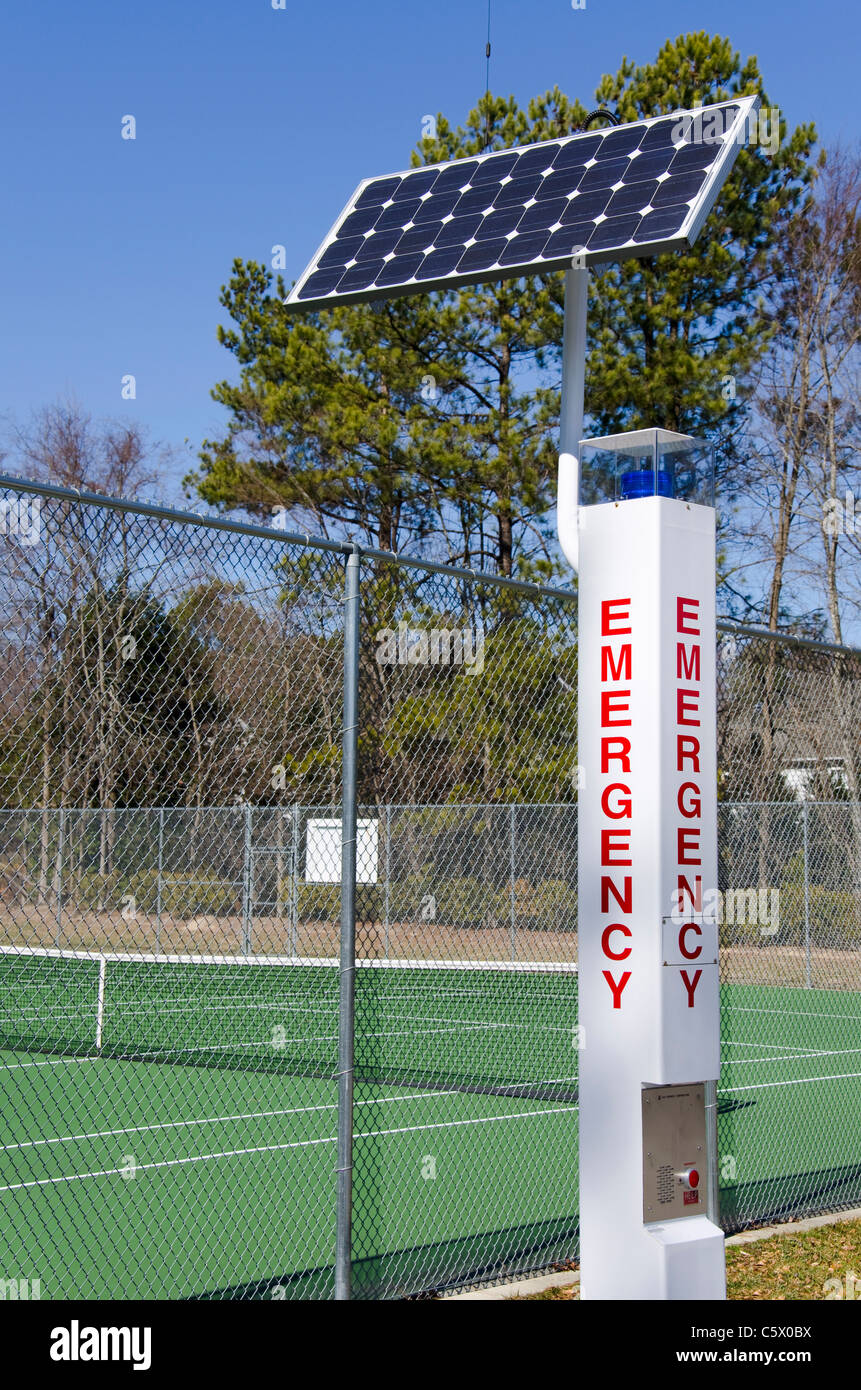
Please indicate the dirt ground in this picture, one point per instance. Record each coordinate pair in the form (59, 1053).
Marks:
(93, 931)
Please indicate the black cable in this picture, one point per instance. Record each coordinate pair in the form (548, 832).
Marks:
(608, 116)
(487, 82)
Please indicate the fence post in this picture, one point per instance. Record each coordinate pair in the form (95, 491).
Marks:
(246, 886)
(512, 909)
(807, 975)
(388, 848)
(346, 1015)
(158, 888)
(712, 1152)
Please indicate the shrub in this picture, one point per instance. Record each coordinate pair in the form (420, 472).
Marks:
(181, 895)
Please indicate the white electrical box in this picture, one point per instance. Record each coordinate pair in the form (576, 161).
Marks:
(323, 851)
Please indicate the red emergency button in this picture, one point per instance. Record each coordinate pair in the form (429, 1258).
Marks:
(689, 1178)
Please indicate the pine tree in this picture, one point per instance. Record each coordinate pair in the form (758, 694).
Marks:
(674, 337)
(433, 419)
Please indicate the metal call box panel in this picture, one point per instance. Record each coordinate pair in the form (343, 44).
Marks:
(675, 1170)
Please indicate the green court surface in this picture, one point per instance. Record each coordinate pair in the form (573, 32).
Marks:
(789, 1103)
(231, 1190)
(169, 1130)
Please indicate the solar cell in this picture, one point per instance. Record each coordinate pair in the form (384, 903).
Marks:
(439, 264)
(499, 223)
(578, 154)
(678, 190)
(459, 231)
(455, 175)
(587, 205)
(535, 161)
(633, 190)
(636, 197)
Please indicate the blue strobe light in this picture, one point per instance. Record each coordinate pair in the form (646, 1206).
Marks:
(640, 482)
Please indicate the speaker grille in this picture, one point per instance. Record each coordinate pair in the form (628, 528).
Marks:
(666, 1186)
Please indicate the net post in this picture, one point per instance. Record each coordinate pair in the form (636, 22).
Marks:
(100, 1006)
(346, 1009)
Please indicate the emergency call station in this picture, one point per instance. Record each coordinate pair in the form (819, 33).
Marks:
(635, 519)
(647, 951)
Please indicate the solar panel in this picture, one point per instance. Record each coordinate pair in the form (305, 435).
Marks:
(633, 190)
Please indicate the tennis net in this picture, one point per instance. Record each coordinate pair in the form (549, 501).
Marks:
(503, 1027)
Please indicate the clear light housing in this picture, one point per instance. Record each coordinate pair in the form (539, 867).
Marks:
(646, 463)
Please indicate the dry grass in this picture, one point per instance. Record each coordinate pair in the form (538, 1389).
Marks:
(221, 935)
(808, 1265)
(110, 931)
(787, 965)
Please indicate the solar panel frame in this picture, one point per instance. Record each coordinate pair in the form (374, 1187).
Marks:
(684, 234)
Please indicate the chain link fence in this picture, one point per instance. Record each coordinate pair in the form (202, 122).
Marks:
(229, 1068)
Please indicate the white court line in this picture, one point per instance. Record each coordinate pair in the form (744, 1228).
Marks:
(277, 1148)
(214, 1120)
(786, 1013)
(796, 1057)
(48, 1062)
(796, 1081)
(166, 1124)
(452, 1028)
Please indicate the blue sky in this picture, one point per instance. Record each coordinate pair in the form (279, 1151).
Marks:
(253, 125)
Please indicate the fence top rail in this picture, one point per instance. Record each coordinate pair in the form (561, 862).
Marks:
(331, 806)
(800, 803)
(764, 634)
(159, 512)
(242, 528)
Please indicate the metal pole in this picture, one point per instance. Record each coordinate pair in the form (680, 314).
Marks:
(346, 1017)
(511, 881)
(807, 975)
(573, 361)
(386, 883)
(246, 886)
(60, 850)
(158, 885)
(294, 886)
(712, 1151)
(571, 411)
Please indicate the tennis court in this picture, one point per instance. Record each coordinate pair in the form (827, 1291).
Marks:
(790, 1101)
(169, 1126)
